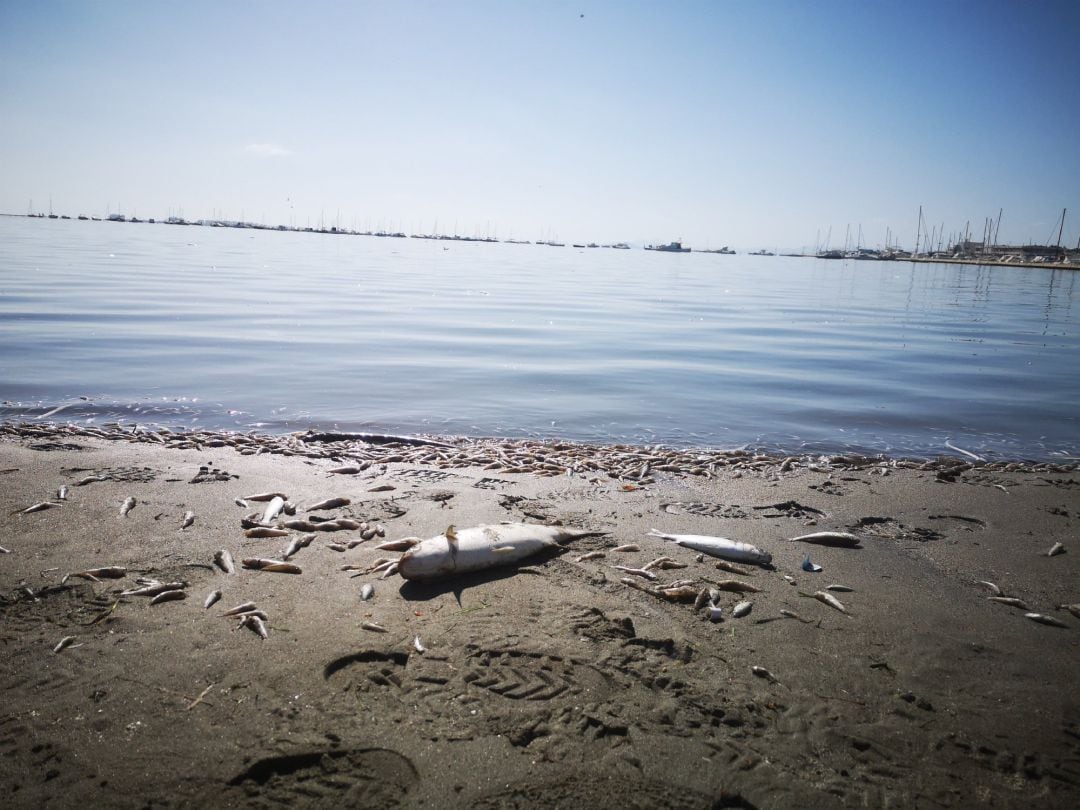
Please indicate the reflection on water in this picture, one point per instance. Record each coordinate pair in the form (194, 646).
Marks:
(241, 329)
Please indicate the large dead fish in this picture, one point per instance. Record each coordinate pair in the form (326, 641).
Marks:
(480, 547)
(718, 547)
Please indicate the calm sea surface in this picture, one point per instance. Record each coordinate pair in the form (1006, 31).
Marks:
(243, 329)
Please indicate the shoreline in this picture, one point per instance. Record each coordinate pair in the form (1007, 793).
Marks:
(549, 683)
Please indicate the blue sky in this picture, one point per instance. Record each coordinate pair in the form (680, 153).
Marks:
(754, 124)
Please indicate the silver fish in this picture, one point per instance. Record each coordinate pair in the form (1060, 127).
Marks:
(256, 624)
(724, 565)
(718, 547)
(843, 539)
(761, 672)
(1043, 619)
(839, 588)
(61, 494)
(189, 518)
(592, 555)
(1011, 601)
(4, 550)
(741, 609)
(1073, 609)
(420, 648)
(374, 628)
(329, 503)
(297, 543)
(37, 507)
(211, 598)
(663, 564)
(64, 642)
(830, 600)
(90, 479)
(224, 561)
(168, 596)
(270, 565)
(153, 588)
(273, 509)
(627, 548)
(263, 497)
(241, 503)
(348, 470)
(404, 544)
(127, 506)
(265, 531)
(244, 607)
(994, 589)
(299, 525)
(367, 591)
(1057, 548)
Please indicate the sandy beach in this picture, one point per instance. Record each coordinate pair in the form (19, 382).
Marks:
(551, 682)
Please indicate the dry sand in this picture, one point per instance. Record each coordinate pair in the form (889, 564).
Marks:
(551, 684)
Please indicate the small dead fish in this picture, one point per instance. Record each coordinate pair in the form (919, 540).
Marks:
(398, 545)
(289, 508)
(374, 628)
(329, 503)
(168, 596)
(390, 570)
(154, 588)
(241, 503)
(761, 672)
(420, 648)
(90, 479)
(678, 593)
(97, 574)
(809, 566)
(830, 600)
(224, 561)
(253, 612)
(64, 642)
(626, 548)
(789, 579)
(255, 624)
(245, 607)
(297, 543)
(637, 572)
(189, 518)
(993, 588)
(732, 568)
(61, 494)
(1043, 619)
(791, 614)
(37, 507)
(127, 506)
(211, 598)
(663, 564)
(269, 565)
(1073, 609)
(383, 488)
(1011, 601)
(348, 523)
(328, 526)
(347, 470)
(4, 550)
(299, 525)
(701, 599)
(338, 547)
(265, 531)
(592, 555)
(840, 588)
(735, 585)
(273, 509)
(844, 539)
(741, 609)
(1057, 548)
(263, 497)
(367, 591)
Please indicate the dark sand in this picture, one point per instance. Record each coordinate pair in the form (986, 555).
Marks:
(551, 684)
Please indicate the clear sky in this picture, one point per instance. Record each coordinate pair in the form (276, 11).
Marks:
(754, 124)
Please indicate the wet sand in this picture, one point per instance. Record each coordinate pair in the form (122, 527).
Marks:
(551, 683)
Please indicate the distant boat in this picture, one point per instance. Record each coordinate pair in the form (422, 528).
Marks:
(670, 247)
(760, 253)
(724, 250)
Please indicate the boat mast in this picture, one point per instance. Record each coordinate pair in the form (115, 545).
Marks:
(918, 233)
(1062, 227)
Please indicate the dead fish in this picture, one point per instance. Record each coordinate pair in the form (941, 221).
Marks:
(993, 588)
(241, 503)
(127, 506)
(1043, 619)
(374, 628)
(224, 561)
(329, 503)
(637, 572)
(347, 470)
(37, 507)
(701, 599)
(1057, 548)
(390, 570)
(253, 612)
(328, 526)
(398, 545)
(265, 531)
(741, 609)
(678, 593)
(839, 588)
(4, 550)
(189, 518)
(627, 548)
(592, 555)
(349, 523)
(263, 497)
(367, 591)
(64, 642)
(732, 568)
(1073, 609)
(789, 579)
(297, 543)
(717, 547)
(273, 509)
(255, 624)
(481, 547)
(338, 547)
(735, 585)
(289, 508)
(269, 565)
(90, 479)
(843, 539)
(380, 530)
(791, 614)
(61, 494)
(153, 588)
(97, 574)
(244, 607)
(809, 566)
(383, 488)
(1011, 601)
(761, 672)
(830, 600)
(211, 598)
(168, 596)
(420, 648)
(664, 564)
(299, 525)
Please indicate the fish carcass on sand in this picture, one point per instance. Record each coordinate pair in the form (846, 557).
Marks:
(718, 547)
(480, 547)
(842, 539)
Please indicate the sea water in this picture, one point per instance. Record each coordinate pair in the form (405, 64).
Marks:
(246, 329)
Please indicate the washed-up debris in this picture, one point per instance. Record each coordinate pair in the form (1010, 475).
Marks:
(367, 591)
(211, 598)
(809, 566)
(127, 506)
(66, 641)
(761, 672)
(717, 547)
(372, 627)
(188, 519)
(481, 547)
(592, 555)
(1057, 548)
